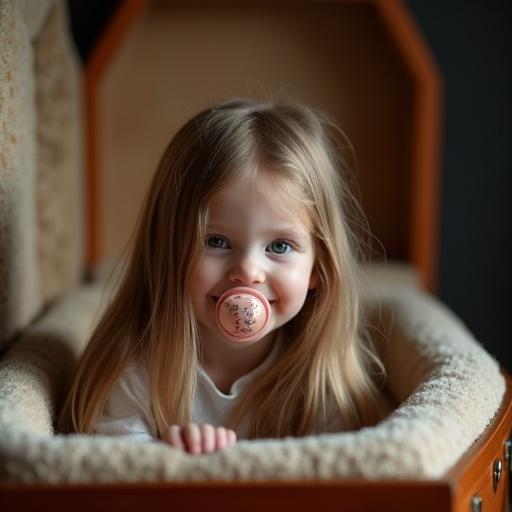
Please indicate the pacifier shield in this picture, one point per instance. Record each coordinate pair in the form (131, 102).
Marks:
(242, 314)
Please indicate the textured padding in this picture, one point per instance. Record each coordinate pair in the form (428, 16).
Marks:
(450, 389)
(20, 294)
(60, 187)
(41, 224)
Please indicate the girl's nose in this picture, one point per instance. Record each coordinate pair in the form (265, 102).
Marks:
(246, 270)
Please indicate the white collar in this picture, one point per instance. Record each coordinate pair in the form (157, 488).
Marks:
(238, 386)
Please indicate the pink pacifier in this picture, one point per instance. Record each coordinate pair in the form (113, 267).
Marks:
(242, 313)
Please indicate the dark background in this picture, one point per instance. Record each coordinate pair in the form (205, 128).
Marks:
(470, 41)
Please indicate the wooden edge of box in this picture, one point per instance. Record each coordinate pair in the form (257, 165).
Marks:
(472, 476)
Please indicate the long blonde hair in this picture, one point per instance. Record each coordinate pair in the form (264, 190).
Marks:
(328, 360)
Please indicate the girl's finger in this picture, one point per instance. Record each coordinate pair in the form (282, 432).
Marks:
(221, 438)
(192, 436)
(208, 434)
(173, 437)
(231, 435)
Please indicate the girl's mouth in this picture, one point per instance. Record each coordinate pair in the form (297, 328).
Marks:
(216, 299)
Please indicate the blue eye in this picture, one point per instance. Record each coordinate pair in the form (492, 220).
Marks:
(217, 242)
(280, 247)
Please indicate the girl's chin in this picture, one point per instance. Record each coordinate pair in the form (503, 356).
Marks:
(243, 340)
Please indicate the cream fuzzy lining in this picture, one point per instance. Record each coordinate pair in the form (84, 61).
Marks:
(20, 293)
(41, 219)
(449, 389)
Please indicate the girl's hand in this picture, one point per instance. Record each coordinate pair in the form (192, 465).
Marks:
(197, 439)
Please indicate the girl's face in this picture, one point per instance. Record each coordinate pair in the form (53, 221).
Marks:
(257, 242)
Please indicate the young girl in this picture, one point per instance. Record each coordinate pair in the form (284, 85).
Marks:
(250, 201)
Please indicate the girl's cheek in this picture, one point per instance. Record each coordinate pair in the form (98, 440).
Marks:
(203, 268)
(297, 286)
(211, 270)
(298, 280)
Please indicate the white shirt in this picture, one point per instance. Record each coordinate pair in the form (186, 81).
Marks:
(128, 412)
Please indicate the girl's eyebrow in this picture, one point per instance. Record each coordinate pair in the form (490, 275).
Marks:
(282, 230)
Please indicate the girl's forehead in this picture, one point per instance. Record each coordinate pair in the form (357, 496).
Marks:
(279, 196)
